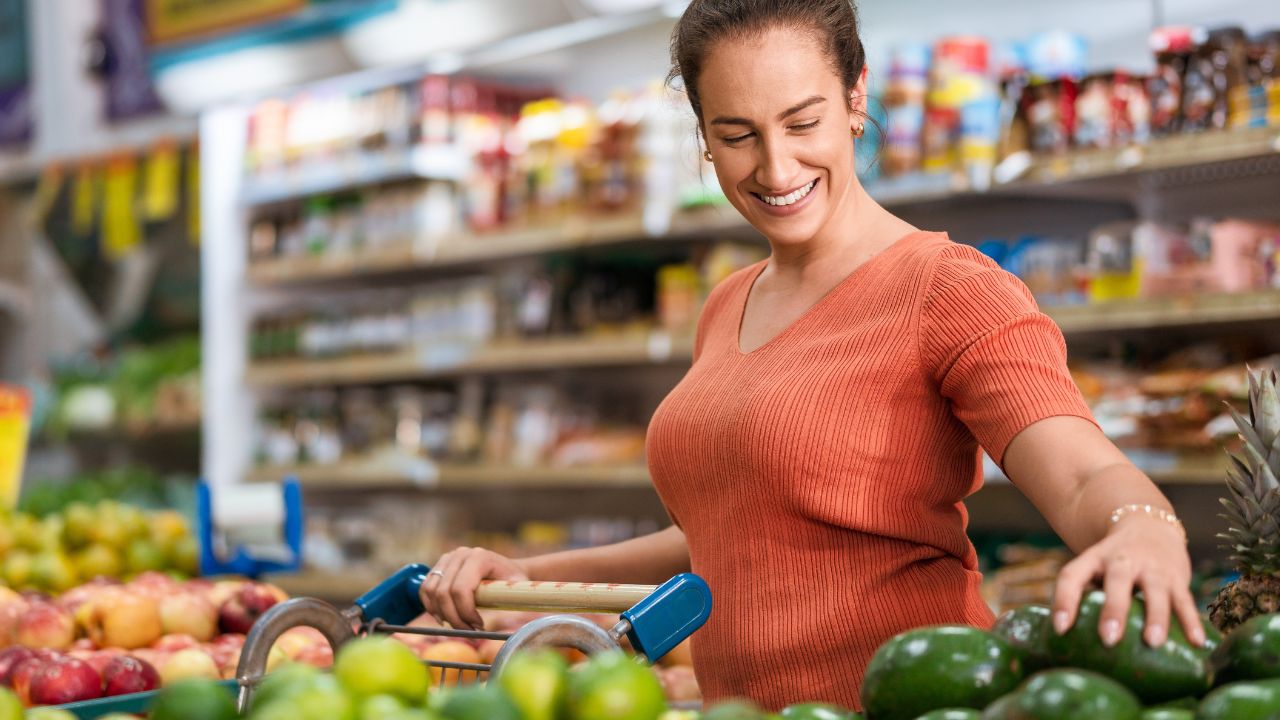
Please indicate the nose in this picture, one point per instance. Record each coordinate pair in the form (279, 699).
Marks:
(777, 169)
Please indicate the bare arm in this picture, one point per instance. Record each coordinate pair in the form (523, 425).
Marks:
(449, 592)
(1076, 477)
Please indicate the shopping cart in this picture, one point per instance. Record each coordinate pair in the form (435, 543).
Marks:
(654, 619)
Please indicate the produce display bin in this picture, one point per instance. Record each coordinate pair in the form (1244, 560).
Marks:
(653, 619)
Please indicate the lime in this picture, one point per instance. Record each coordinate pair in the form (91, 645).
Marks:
(77, 523)
(819, 711)
(17, 569)
(377, 707)
(49, 713)
(734, 710)
(374, 665)
(143, 555)
(476, 703)
(323, 698)
(612, 686)
(194, 700)
(10, 706)
(97, 559)
(283, 683)
(537, 683)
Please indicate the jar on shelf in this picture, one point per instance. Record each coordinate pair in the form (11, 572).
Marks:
(1173, 47)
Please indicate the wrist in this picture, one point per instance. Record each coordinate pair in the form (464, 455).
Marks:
(1148, 516)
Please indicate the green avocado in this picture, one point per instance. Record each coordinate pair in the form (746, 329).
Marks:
(1067, 694)
(1253, 700)
(1027, 630)
(1167, 714)
(1250, 652)
(1155, 674)
(945, 666)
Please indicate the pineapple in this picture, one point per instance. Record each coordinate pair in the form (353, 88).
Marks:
(1253, 510)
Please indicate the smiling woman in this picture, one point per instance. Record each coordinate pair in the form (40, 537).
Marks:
(816, 457)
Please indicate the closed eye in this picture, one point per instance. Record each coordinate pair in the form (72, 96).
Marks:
(737, 139)
(806, 126)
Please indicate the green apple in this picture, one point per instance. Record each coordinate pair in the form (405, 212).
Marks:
(382, 665)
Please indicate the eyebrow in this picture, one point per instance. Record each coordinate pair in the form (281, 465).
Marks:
(808, 102)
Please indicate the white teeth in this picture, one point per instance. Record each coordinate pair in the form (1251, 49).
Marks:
(789, 198)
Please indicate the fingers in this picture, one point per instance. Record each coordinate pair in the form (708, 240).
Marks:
(466, 578)
(1118, 587)
(1155, 592)
(1189, 615)
(1072, 580)
(445, 593)
(436, 585)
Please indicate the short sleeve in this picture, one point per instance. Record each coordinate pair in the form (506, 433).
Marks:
(1000, 362)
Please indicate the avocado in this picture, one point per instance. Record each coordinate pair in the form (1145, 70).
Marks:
(952, 714)
(1027, 630)
(1250, 652)
(817, 711)
(945, 666)
(1155, 674)
(1167, 714)
(1067, 694)
(1252, 700)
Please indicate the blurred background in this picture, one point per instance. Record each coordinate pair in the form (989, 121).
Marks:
(439, 260)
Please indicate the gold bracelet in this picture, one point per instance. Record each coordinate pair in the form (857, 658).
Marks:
(1158, 513)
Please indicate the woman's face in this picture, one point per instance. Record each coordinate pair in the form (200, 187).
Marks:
(777, 121)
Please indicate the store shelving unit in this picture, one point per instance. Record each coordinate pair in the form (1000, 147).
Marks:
(1146, 179)
(361, 170)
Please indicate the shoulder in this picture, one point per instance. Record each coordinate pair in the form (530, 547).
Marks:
(959, 276)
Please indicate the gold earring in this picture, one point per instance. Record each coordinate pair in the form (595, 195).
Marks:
(706, 155)
(857, 132)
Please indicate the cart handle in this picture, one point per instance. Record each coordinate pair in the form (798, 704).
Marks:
(657, 618)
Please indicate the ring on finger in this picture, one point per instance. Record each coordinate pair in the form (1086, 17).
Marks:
(439, 573)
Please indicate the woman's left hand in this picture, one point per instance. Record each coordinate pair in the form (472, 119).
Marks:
(1139, 551)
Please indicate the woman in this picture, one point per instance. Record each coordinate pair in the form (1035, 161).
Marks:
(815, 457)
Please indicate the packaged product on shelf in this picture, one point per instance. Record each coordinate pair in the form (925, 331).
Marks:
(1173, 47)
(1262, 76)
(958, 76)
(904, 104)
(1050, 108)
(1131, 109)
(1215, 69)
(1095, 113)
(1113, 273)
(679, 297)
(1244, 254)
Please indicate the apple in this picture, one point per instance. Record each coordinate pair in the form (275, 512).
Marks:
(24, 671)
(174, 643)
(224, 590)
(64, 681)
(489, 650)
(124, 619)
(11, 612)
(189, 614)
(9, 660)
(153, 583)
(679, 683)
(296, 640)
(100, 659)
(126, 674)
(242, 610)
(188, 664)
(46, 626)
(230, 640)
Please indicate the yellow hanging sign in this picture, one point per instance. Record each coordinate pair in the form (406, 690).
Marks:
(121, 231)
(15, 419)
(169, 20)
(84, 199)
(160, 183)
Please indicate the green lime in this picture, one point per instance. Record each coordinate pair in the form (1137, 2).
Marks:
(49, 713)
(475, 702)
(537, 682)
(283, 682)
(194, 700)
(612, 686)
(376, 665)
(377, 707)
(734, 710)
(822, 711)
(10, 705)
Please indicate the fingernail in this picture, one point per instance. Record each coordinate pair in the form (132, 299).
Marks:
(1110, 632)
(1060, 622)
(1155, 635)
(1197, 636)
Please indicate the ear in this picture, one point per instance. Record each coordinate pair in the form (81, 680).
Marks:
(858, 100)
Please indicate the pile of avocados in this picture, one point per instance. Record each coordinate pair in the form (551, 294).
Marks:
(1023, 670)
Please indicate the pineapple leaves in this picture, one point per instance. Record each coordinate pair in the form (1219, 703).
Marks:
(1264, 478)
(1265, 409)
(1247, 433)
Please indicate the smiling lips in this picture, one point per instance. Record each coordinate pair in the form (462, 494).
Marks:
(787, 202)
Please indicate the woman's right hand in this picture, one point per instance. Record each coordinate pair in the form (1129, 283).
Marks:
(449, 591)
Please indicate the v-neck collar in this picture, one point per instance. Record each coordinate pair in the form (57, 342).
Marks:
(815, 307)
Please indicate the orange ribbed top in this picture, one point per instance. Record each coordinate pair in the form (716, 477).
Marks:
(819, 479)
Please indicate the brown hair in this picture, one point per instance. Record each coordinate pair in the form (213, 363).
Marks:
(833, 23)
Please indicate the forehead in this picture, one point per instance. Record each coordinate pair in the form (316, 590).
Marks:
(760, 75)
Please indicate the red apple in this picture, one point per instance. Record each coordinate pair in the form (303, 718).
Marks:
(188, 664)
(320, 656)
(230, 640)
(124, 619)
(9, 660)
(24, 671)
(11, 612)
(77, 596)
(46, 626)
(153, 583)
(63, 681)
(174, 643)
(126, 674)
(189, 614)
(100, 659)
(242, 610)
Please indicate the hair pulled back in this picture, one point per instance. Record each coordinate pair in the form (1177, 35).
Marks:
(833, 23)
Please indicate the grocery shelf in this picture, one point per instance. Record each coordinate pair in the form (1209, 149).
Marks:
(1173, 153)
(355, 171)
(456, 250)
(451, 360)
(404, 472)
(1167, 312)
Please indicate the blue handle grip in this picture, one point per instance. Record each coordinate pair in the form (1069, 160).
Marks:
(669, 615)
(395, 600)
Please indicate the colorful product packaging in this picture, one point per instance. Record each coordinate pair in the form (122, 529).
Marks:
(15, 423)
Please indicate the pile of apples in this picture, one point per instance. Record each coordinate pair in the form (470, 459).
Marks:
(108, 638)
